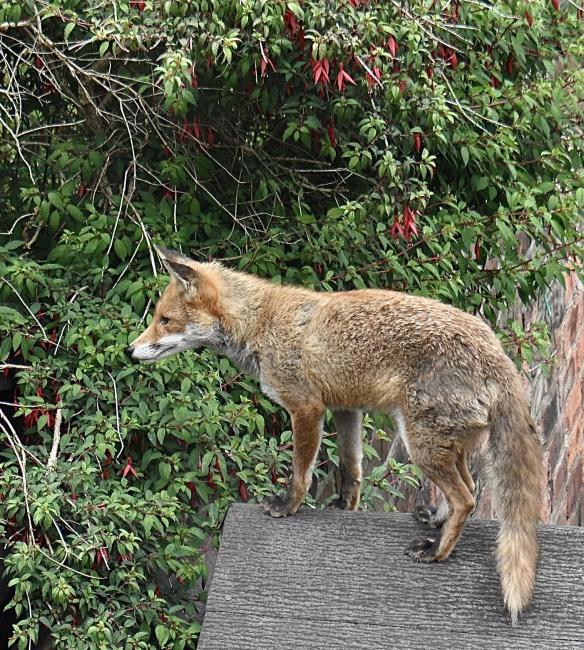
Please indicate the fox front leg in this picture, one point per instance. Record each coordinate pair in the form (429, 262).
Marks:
(306, 437)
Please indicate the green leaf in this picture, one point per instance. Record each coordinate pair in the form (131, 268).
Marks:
(5, 348)
(162, 634)
(465, 155)
(164, 471)
(56, 200)
(67, 32)
(545, 187)
(75, 212)
(480, 182)
(16, 340)
(147, 523)
(120, 249)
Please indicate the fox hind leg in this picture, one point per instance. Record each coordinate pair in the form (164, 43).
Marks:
(350, 446)
(463, 470)
(440, 464)
(434, 517)
(306, 437)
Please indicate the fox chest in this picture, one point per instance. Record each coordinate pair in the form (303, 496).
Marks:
(269, 391)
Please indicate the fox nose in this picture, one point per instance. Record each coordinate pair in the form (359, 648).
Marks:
(130, 353)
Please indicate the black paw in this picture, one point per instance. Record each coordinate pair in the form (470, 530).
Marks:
(341, 503)
(426, 515)
(277, 505)
(423, 550)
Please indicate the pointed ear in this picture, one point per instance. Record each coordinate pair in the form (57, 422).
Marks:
(179, 267)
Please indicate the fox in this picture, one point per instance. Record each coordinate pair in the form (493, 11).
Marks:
(438, 371)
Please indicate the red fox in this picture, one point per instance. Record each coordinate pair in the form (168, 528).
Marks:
(440, 372)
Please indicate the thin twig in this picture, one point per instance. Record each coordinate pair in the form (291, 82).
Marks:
(28, 309)
(56, 439)
(21, 460)
(15, 366)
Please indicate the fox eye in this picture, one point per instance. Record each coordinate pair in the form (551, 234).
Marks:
(164, 320)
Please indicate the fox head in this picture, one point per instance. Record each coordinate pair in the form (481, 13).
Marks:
(187, 316)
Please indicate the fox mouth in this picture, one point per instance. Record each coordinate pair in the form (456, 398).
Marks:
(158, 352)
(194, 338)
(161, 353)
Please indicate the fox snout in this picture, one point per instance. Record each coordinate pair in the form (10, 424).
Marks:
(149, 351)
(132, 353)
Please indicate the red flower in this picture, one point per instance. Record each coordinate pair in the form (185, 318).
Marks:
(265, 62)
(129, 469)
(409, 221)
(243, 493)
(185, 132)
(396, 230)
(417, 142)
(320, 71)
(391, 45)
(291, 23)
(556, 4)
(373, 77)
(406, 227)
(300, 39)
(331, 135)
(140, 5)
(477, 249)
(529, 18)
(343, 77)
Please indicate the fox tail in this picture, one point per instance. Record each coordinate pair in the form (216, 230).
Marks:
(516, 476)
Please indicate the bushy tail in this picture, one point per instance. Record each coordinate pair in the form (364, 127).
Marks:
(517, 472)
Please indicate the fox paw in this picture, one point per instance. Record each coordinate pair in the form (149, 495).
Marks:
(423, 550)
(428, 516)
(341, 503)
(277, 505)
(345, 503)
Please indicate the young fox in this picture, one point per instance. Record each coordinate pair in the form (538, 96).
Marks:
(440, 372)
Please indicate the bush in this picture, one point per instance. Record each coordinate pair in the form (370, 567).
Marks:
(434, 147)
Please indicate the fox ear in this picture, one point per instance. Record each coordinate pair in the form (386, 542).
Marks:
(178, 267)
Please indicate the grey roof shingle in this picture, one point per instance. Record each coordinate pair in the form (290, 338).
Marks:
(333, 579)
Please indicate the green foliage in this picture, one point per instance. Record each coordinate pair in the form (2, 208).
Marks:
(434, 147)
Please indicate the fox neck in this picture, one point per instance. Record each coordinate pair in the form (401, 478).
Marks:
(242, 299)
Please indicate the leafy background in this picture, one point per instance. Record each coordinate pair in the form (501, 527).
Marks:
(434, 147)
